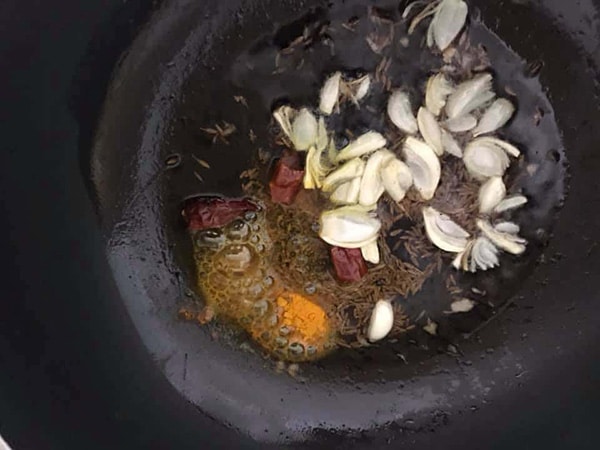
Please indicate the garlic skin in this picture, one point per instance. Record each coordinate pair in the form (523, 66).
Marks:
(382, 321)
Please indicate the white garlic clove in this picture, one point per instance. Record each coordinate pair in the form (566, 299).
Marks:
(401, 114)
(449, 19)
(424, 166)
(363, 145)
(484, 255)
(437, 92)
(382, 321)
(346, 193)
(510, 203)
(315, 170)
(469, 96)
(284, 116)
(370, 253)
(443, 232)
(461, 124)
(349, 227)
(304, 130)
(507, 242)
(352, 169)
(397, 179)
(330, 93)
(451, 145)
(484, 161)
(507, 227)
(495, 117)
(462, 306)
(430, 130)
(491, 193)
(364, 85)
(322, 137)
(507, 147)
(371, 187)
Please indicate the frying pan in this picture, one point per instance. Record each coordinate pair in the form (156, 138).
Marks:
(91, 352)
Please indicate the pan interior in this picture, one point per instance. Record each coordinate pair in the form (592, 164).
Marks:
(187, 71)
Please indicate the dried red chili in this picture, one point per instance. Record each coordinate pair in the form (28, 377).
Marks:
(202, 213)
(287, 179)
(348, 264)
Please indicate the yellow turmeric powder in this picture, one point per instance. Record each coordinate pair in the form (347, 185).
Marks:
(299, 331)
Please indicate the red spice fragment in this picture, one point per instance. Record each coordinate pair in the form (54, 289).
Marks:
(203, 213)
(287, 179)
(349, 264)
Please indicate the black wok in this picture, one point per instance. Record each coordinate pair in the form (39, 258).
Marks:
(91, 352)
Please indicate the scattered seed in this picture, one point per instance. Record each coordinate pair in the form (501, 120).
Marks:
(241, 100)
(252, 136)
(173, 161)
(534, 68)
(201, 162)
(198, 177)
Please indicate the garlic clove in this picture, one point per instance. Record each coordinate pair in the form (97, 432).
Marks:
(424, 166)
(352, 169)
(437, 92)
(349, 227)
(510, 149)
(382, 321)
(371, 187)
(484, 254)
(451, 145)
(330, 93)
(397, 179)
(363, 145)
(469, 96)
(443, 232)
(491, 193)
(304, 130)
(400, 112)
(495, 117)
(510, 203)
(449, 19)
(507, 227)
(464, 305)
(430, 130)
(461, 124)
(484, 161)
(507, 242)
(370, 253)
(346, 193)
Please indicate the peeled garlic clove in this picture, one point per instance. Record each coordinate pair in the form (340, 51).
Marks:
(492, 192)
(516, 201)
(443, 232)
(315, 170)
(424, 166)
(400, 112)
(371, 186)
(507, 227)
(461, 124)
(322, 138)
(507, 242)
(495, 117)
(484, 254)
(304, 130)
(284, 116)
(430, 130)
(382, 321)
(370, 253)
(450, 144)
(507, 147)
(349, 227)
(330, 93)
(437, 91)
(462, 306)
(363, 145)
(485, 161)
(350, 170)
(346, 193)
(449, 19)
(469, 96)
(363, 88)
(397, 179)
